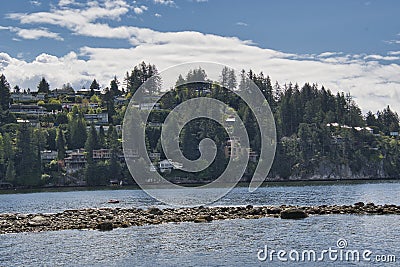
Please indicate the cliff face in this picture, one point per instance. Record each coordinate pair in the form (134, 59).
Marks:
(328, 170)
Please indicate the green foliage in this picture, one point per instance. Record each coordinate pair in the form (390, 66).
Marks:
(305, 143)
(60, 142)
(92, 142)
(4, 93)
(76, 129)
(43, 86)
(28, 168)
(10, 172)
(139, 75)
(94, 85)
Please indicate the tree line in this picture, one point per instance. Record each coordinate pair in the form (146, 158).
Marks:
(302, 115)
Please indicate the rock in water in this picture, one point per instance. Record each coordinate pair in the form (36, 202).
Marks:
(155, 211)
(293, 214)
(38, 221)
(105, 226)
(359, 204)
(203, 219)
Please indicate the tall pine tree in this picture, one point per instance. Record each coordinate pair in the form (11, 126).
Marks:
(4, 93)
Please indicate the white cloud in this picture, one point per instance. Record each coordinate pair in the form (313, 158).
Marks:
(139, 10)
(392, 41)
(394, 53)
(379, 57)
(35, 3)
(362, 75)
(66, 2)
(157, 15)
(165, 2)
(240, 23)
(33, 34)
(329, 54)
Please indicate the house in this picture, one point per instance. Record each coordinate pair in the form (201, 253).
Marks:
(102, 153)
(369, 130)
(394, 133)
(230, 123)
(27, 109)
(253, 156)
(233, 148)
(85, 93)
(93, 105)
(230, 120)
(149, 106)
(59, 92)
(16, 97)
(48, 155)
(75, 162)
(167, 165)
(154, 124)
(120, 100)
(32, 123)
(99, 118)
(40, 96)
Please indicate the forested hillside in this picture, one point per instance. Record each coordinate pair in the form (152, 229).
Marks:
(320, 135)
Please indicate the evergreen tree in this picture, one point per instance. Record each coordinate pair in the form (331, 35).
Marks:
(112, 138)
(108, 99)
(8, 149)
(114, 87)
(91, 171)
(43, 86)
(51, 139)
(4, 93)
(60, 141)
(139, 75)
(94, 86)
(91, 143)
(77, 131)
(17, 89)
(27, 158)
(102, 137)
(10, 172)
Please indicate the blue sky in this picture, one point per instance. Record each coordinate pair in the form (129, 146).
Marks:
(350, 46)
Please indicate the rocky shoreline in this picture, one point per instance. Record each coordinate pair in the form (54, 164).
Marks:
(109, 218)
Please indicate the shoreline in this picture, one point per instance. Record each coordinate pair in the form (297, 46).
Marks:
(27, 190)
(106, 219)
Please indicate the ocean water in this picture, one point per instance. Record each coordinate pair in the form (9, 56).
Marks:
(219, 243)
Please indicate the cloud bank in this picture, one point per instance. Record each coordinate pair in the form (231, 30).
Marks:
(373, 80)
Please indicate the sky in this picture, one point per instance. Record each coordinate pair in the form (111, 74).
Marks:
(347, 46)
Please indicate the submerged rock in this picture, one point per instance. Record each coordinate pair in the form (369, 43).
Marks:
(293, 214)
(203, 219)
(105, 226)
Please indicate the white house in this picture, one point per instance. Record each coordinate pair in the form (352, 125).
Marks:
(101, 118)
(48, 155)
(167, 165)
